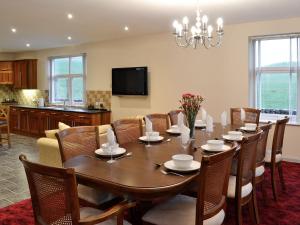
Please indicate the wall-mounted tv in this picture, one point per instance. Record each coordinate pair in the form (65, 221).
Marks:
(130, 81)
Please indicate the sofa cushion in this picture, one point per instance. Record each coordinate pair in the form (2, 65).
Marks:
(103, 128)
(62, 126)
(51, 133)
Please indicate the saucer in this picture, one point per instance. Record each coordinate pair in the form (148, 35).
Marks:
(230, 138)
(248, 129)
(210, 149)
(173, 131)
(156, 139)
(171, 166)
(115, 152)
(200, 125)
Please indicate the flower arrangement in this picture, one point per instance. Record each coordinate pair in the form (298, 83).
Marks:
(191, 104)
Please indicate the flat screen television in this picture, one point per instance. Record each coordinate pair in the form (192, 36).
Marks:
(130, 81)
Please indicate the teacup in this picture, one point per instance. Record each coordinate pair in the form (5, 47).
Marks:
(251, 126)
(107, 148)
(235, 134)
(175, 128)
(153, 135)
(182, 160)
(199, 123)
(215, 144)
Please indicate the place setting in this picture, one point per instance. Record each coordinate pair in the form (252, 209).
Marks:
(249, 128)
(215, 146)
(150, 135)
(201, 123)
(233, 136)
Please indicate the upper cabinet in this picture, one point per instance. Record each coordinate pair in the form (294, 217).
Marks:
(25, 74)
(6, 72)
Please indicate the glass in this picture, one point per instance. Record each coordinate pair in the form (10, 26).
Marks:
(111, 149)
(77, 65)
(184, 141)
(61, 66)
(148, 135)
(77, 89)
(61, 89)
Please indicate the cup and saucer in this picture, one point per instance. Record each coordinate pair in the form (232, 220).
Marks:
(233, 136)
(182, 163)
(249, 127)
(108, 151)
(152, 136)
(215, 146)
(200, 124)
(174, 130)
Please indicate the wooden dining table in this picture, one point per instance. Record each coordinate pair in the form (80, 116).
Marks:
(138, 176)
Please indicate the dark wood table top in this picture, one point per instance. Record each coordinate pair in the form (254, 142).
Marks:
(138, 176)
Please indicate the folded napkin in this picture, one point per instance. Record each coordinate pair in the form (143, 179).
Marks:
(203, 114)
(180, 119)
(209, 124)
(224, 119)
(111, 138)
(148, 125)
(243, 115)
(185, 134)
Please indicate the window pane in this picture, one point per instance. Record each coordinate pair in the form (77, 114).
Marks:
(60, 89)
(77, 89)
(77, 65)
(61, 66)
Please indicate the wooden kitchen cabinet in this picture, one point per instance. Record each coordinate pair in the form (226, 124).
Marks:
(6, 72)
(25, 74)
(14, 118)
(34, 122)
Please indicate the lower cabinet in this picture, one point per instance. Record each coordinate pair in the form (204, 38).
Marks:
(34, 122)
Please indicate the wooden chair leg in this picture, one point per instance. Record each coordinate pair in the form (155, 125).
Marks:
(8, 138)
(281, 175)
(239, 214)
(273, 178)
(263, 190)
(254, 205)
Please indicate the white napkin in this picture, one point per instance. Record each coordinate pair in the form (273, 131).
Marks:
(203, 115)
(209, 124)
(224, 119)
(185, 134)
(148, 125)
(111, 138)
(180, 120)
(243, 115)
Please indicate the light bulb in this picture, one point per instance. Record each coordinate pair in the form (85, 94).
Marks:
(185, 20)
(193, 30)
(220, 22)
(179, 28)
(175, 24)
(205, 19)
(209, 30)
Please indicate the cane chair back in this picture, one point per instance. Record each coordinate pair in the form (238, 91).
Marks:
(173, 116)
(4, 111)
(213, 184)
(262, 144)
(160, 122)
(53, 193)
(252, 116)
(76, 141)
(4, 123)
(127, 130)
(278, 137)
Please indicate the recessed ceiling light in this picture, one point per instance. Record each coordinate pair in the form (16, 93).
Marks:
(27, 45)
(69, 38)
(70, 16)
(126, 28)
(14, 30)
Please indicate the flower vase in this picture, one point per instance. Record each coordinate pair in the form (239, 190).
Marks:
(191, 122)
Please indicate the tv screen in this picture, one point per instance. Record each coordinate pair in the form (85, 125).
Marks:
(130, 81)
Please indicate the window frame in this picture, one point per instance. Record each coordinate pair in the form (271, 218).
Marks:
(255, 73)
(70, 77)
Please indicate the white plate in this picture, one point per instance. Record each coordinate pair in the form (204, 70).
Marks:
(116, 152)
(200, 125)
(144, 138)
(171, 166)
(173, 131)
(210, 149)
(247, 129)
(229, 138)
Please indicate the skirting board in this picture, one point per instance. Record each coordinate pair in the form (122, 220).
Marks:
(292, 159)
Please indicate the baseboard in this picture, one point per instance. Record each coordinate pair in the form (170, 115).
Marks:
(291, 159)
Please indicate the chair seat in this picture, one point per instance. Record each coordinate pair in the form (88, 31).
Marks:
(3, 122)
(93, 196)
(246, 189)
(278, 157)
(87, 211)
(259, 171)
(178, 211)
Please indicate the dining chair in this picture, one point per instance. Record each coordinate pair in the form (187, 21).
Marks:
(209, 205)
(127, 130)
(173, 116)
(252, 116)
(241, 186)
(83, 140)
(55, 200)
(273, 157)
(4, 125)
(261, 154)
(160, 122)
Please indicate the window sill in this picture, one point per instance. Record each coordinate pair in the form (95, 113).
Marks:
(264, 118)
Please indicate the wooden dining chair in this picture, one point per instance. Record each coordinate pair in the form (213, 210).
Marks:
(127, 130)
(55, 200)
(208, 207)
(252, 116)
(241, 187)
(4, 125)
(261, 154)
(273, 157)
(160, 122)
(83, 140)
(173, 116)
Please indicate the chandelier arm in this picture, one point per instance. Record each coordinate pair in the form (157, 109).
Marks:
(179, 42)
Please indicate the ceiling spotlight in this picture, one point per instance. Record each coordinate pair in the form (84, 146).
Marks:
(27, 45)
(14, 30)
(69, 38)
(126, 28)
(70, 16)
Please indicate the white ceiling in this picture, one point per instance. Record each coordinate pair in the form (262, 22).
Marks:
(44, 23)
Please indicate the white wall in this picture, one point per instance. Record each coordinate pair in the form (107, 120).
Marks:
(220, 75)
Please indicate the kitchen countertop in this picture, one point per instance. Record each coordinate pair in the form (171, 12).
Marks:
(63, 109)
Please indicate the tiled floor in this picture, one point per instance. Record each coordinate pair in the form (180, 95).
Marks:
(13, 183)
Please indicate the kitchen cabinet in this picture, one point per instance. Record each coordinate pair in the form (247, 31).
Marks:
(25, 74)
(6, 72)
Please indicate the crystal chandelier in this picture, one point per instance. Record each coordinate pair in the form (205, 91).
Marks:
(199, 34)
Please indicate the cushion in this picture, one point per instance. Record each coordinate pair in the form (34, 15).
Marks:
(180, 210)
(103, 128)
(259, 171)
(278, 157)
(51, 133)
(87, 211)
(62, 126)
(246, 189)
(92, 195)
(3, 122)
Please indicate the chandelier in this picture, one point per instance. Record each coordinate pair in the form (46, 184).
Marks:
(200, 34)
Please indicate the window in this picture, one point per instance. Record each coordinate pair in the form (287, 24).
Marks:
(67, 79)
(274, 76)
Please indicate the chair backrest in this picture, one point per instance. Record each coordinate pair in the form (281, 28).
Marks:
(213, 184)
(127, 130)
(53, 193)
(262, 144)
(173, 116)
(252, 116)
(278, 137)
(246, 162)
(4, 112)
(160, 122)
(76, 141)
